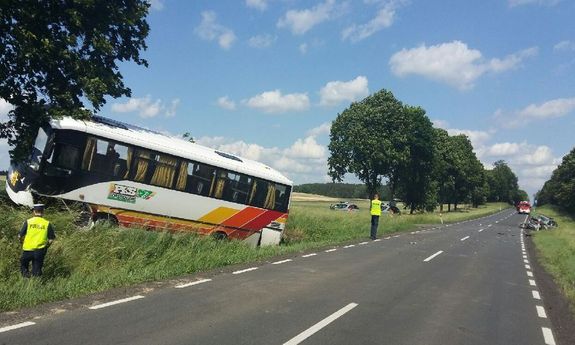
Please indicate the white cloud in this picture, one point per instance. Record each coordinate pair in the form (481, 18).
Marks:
(260, 5)
(477, 138)
(210, 30)
(146, 107)
(225, 103)
(262, 41)
(275, 102)
(303, 48)
(306, 148)
(335, 92)
(503, 149)
(383, 19)
(514, 3)
(547, 110)
(4, 154)
(5, 107)
(564, 46)
(322, 129)
(550, 109)
(171, 111)
(157, 5)
(301, 21)
(452, 63)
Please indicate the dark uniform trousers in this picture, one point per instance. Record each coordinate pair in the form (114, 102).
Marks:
(37, 258)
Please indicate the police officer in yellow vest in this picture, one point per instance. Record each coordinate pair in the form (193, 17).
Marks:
(375, 211)
(36, 236)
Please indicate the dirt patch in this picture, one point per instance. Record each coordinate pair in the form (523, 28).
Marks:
(312, 197)
(556, 304)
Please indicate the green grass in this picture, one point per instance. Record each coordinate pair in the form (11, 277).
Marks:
(87, 261)
(556, 249)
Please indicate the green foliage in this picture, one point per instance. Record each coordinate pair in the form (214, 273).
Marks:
(367, 139)
(560, 189)
(56, 54)
(340, 190)
(502, 183)
(557, 249)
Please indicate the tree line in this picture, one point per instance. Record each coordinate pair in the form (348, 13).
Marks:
(560, 188)
(341, 190)
(381, 139)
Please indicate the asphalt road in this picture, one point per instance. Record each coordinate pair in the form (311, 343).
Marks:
(467, 283)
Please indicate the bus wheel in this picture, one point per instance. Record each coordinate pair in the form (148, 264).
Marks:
(220, 235)
(105, 219)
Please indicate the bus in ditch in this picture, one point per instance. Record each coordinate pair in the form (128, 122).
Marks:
(135, 177)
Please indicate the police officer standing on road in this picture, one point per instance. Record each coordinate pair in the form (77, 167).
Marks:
(36, 236)
(375, 211)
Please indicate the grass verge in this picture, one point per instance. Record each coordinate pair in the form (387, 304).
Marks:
(556, 249)
(81, 262)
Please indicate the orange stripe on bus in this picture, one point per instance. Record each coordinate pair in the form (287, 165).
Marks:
(219, 215)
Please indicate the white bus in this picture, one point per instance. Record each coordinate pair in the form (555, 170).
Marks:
(139, 178)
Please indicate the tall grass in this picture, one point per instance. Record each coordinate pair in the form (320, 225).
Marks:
(557, 249)
(86, 261)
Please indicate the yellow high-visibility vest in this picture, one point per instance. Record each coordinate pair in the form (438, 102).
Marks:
(36, 234)
(375, 208)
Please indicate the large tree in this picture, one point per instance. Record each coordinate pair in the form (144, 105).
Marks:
(560, 189)
(368, 139)
(503, 184)
(60, 57)
(414, 172)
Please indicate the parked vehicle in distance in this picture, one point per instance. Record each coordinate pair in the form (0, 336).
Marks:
(524, 207)
(344, 206)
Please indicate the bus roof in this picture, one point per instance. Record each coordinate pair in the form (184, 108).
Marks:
(122, 132)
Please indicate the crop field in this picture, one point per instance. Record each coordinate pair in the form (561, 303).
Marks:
(84, 261)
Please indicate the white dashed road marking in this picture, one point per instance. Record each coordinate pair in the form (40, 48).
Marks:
(529, 274)
(541, 312)
(13, 327)
(532, 282)
(434, 255)
(308, 255)
(536, 294)
(463, 239)
(330, 250)
(246, 270)
(124, 300)
(281, 262)
(548, 336)
(350, 246)
(318, 326)
(362, 243)
(181, 286)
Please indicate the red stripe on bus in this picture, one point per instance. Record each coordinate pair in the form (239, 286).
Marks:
(245, 216)
(263, 220)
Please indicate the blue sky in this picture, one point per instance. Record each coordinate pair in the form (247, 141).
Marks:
(265, 78)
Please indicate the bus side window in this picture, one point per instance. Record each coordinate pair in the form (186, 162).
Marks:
(258, 193)
(141, 164)
(281, 198)
(200, 179)
(65, 156)
(221, 185)
(238, 188)
(106, 158)
(165, 171)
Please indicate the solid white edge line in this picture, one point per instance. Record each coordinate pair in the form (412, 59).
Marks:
(308, 255)
(548, 336)
(281, 262)
(535, 294)
(13, 327)
(181, 286)
(330, 250)
(463, 239)
(123, 300)
(434, 255)
(246, 270)
(541, 312)
(318, 326)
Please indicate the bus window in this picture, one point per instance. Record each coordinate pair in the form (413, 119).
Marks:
(106, 157)
(258, 193)
(165, 171)
(141, 164)
(65, 156)
(282, 198)
(235, 188)
(200, 178)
